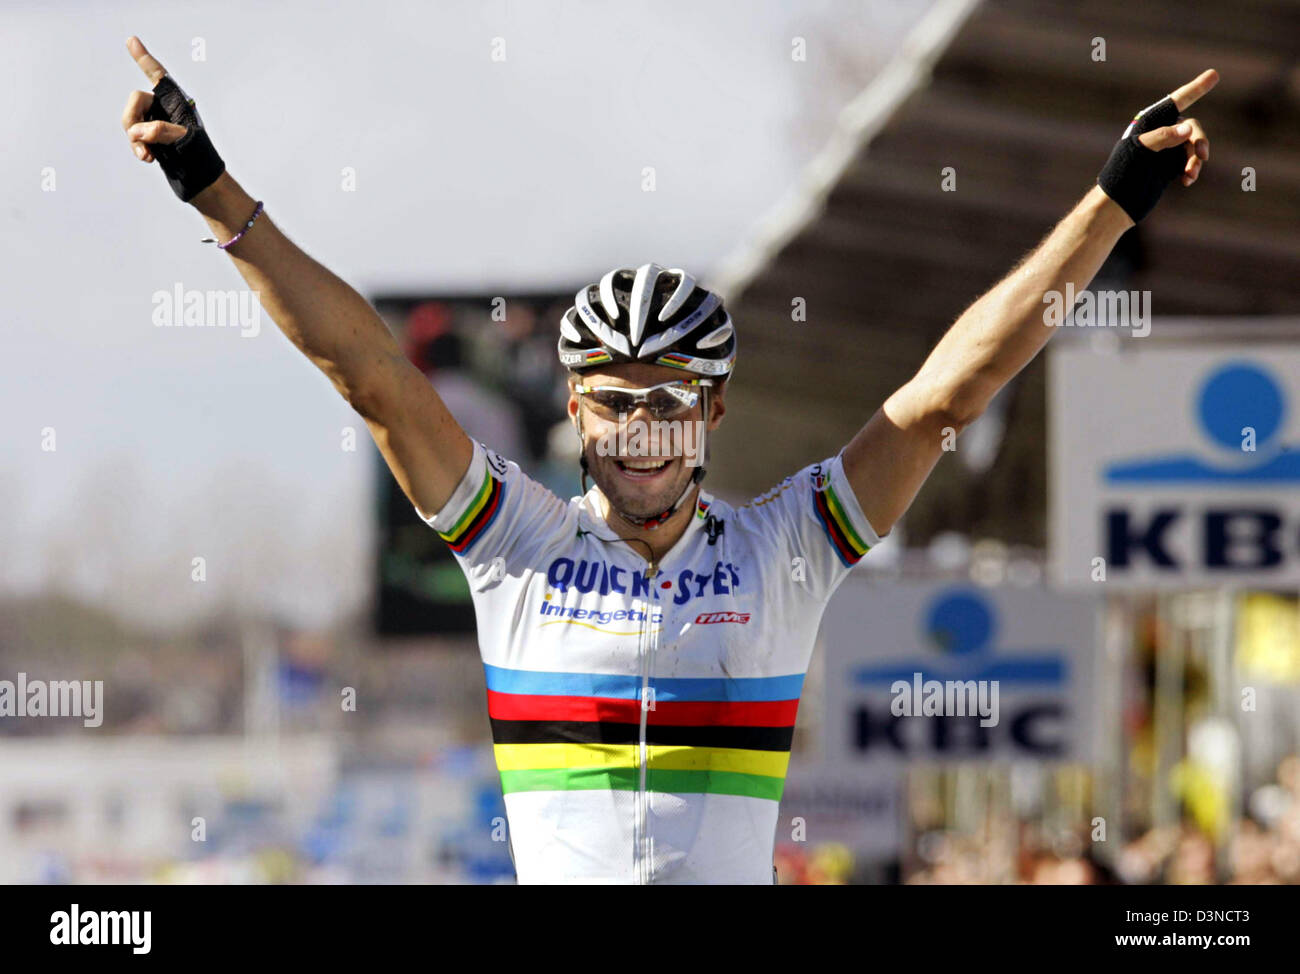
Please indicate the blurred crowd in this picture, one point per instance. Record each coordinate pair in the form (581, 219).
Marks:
(493, 363)
(1263, 847)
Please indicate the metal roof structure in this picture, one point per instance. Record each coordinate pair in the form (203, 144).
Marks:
(1011, 95)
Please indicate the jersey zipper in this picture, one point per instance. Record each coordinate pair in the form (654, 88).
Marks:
(643, 855)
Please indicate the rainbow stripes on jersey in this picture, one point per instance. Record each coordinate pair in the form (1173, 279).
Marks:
(848, 544)
(581, 731)
(481, 512)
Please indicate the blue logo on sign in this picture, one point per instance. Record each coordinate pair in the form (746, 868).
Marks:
(1235, 399)
(963, 624)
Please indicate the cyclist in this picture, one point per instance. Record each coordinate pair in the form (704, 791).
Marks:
(645, 643)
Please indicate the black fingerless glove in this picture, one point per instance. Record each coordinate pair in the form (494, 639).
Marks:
(1135, 176)
(191, 163)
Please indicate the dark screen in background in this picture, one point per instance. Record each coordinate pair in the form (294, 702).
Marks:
(493, 360)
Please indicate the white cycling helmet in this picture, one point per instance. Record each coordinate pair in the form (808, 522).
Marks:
(651, 314)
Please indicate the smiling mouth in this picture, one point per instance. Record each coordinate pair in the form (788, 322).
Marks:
(643, 468)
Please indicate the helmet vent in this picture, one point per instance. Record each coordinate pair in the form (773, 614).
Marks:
(717, 336)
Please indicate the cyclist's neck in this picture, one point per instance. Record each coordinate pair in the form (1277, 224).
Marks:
(644, 540)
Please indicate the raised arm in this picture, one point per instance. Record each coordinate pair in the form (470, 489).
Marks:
(892, 455)
(327, 320)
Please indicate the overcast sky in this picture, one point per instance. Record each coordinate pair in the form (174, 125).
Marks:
(471, 173)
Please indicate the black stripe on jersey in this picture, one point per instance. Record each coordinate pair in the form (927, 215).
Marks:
(601, 732)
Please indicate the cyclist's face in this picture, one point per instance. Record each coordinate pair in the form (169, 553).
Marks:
(641, 463)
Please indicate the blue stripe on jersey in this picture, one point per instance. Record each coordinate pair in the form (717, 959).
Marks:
(503, 680)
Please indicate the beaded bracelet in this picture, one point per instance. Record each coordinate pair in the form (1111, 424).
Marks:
(236, 238)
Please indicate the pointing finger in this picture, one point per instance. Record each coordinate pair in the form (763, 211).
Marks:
(148, 64)
(1189, 93)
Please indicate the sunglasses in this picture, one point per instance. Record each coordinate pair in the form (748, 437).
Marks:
(664, 401)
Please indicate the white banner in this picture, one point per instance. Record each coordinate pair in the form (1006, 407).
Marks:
(1175, 467)
(841, 803)
(958, 673)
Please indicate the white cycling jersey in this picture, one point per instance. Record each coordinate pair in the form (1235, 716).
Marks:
(642, 724)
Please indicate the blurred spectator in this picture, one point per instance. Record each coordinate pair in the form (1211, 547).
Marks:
(438, 351)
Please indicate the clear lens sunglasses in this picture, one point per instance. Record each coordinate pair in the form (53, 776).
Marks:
(664, 401)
